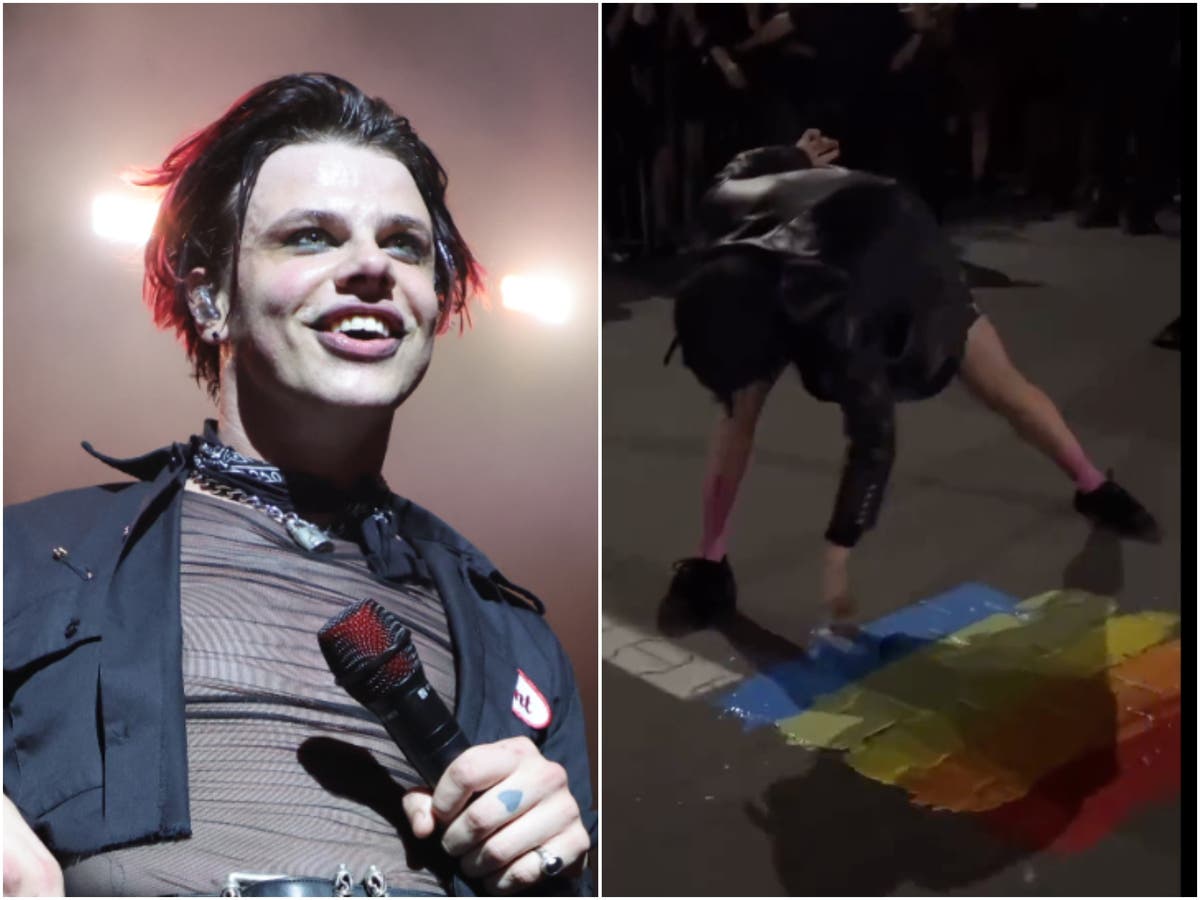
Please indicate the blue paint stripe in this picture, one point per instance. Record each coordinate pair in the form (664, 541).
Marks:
(789, 688)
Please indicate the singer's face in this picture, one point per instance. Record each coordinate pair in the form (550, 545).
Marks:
(335, 303)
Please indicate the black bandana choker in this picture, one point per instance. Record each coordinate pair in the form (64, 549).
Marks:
(221, 470)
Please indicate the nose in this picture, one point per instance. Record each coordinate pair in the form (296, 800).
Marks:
(367, 274)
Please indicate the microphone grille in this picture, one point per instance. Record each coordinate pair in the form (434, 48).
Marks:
(353, 642)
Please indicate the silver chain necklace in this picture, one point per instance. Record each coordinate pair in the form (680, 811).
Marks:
(308, 536)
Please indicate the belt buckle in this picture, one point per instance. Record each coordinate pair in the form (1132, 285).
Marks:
(239, 880)
(374, 883)
(343, 882)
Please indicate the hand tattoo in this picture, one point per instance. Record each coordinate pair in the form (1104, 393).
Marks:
(511, 800)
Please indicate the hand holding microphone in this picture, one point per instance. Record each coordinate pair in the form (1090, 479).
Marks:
(371, 654)
(507, 811)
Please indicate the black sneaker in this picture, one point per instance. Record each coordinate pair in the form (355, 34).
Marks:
(705, 587)
(1111, 506)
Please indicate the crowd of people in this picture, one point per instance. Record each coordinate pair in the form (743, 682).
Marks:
(1054, 107)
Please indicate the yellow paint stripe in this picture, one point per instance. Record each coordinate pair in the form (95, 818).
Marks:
(850, 717)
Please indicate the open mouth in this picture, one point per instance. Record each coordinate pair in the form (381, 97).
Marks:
(362, 327)
(361, 336)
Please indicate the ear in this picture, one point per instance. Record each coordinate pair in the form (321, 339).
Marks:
(208, 305)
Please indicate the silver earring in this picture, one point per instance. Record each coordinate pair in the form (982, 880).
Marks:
(203, 307)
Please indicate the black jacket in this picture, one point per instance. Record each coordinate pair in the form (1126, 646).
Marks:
(95, 752)
(852, 282)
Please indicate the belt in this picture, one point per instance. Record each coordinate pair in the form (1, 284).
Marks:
(240, 884)
(298, 887)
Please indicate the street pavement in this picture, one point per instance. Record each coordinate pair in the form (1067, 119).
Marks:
(694, 803)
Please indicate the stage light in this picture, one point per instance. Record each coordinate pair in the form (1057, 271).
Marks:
(124, 219)
(545, 297)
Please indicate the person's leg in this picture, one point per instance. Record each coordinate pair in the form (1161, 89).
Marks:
(991, 376)
(728, 459)
(730, 329)
(705, 582)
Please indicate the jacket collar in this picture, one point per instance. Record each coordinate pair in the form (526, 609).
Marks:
(148, 466)
(167, 467)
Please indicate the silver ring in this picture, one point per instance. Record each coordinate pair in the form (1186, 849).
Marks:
(551, 864)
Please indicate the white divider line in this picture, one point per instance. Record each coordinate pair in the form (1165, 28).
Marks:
(658, 662)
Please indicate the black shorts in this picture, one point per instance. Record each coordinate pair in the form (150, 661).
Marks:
(744, 313)
(728, 321)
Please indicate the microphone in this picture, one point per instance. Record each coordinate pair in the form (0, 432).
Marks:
(372, 656)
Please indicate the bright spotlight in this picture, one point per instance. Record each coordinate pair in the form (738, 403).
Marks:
(545, 297)
(124, 219)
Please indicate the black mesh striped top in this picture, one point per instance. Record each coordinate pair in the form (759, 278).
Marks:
(286, 773)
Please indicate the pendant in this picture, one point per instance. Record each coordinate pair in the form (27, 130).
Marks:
(308, 536)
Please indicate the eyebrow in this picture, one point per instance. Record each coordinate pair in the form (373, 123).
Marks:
(327, 219)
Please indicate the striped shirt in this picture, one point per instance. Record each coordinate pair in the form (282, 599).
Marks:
(286, 773)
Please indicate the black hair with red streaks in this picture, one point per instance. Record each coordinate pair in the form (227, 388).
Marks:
(210, 176)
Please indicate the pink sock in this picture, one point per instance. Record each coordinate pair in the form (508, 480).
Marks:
(718, 500)
(1087, 477)
(714, 550)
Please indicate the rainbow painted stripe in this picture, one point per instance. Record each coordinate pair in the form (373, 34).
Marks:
(1054, 716)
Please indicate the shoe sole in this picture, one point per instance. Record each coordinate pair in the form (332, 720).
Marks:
(1150, 534)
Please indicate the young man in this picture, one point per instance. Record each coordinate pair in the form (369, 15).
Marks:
(170, 720)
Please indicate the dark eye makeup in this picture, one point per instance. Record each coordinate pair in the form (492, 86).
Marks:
(309, 237)
(406, 243)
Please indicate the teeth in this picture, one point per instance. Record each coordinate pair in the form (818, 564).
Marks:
(362, 323)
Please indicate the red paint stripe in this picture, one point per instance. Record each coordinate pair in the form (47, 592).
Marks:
(1077, 805)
